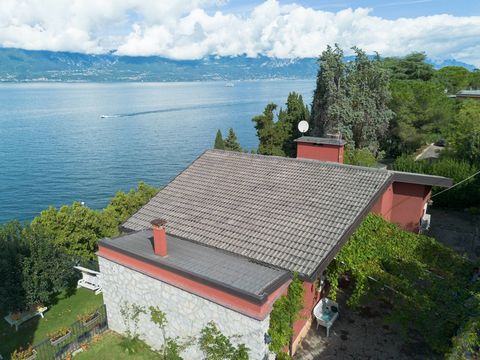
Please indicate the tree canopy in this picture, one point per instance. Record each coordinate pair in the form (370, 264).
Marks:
(351, 98)
(276, 136)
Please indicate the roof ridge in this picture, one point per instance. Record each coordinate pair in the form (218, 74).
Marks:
(285, 159)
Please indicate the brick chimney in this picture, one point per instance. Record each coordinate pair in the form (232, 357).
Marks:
(323, 149)
(159, 237)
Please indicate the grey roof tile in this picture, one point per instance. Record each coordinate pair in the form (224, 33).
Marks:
(289, 213)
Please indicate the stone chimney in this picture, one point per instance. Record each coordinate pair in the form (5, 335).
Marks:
(159, 237)
(323, 149)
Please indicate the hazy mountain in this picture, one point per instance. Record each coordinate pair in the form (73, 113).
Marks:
(26, 65)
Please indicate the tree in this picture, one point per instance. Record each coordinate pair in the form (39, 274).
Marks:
(295, 112)
(75, 229)
(368, 92)
(351, 99)
(123, 205)
(231, 142)
(453, 78)
(276, 136)
(422, 112)
(219, 144)
(331, 107)
(410, 67)
(46, 270)
(464, 132)
(12, 249)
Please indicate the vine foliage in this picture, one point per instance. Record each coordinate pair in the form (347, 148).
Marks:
(427, 284)
(285, 312)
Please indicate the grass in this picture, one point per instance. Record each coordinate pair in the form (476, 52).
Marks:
(34, 331)
(108, 346)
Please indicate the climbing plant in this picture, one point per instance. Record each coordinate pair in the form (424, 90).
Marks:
(427, 284)
(286, 310)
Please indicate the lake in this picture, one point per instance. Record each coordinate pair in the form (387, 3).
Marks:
(65, 142)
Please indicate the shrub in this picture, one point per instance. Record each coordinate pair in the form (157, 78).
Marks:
(217, 346)
(360, 157)
(465, 195)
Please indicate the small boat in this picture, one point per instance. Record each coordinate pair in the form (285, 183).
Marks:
(229, 84)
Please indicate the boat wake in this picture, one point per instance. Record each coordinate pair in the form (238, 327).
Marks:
(175, 109)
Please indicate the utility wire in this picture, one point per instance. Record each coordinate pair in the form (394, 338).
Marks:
(451, 187)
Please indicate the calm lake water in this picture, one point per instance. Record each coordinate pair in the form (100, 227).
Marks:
(56, 148)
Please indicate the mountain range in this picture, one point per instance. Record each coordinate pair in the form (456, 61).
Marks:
(18, 65)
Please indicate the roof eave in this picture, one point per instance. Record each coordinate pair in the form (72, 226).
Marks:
(422, 179)
(258, 299)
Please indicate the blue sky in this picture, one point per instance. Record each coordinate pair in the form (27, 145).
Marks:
(192, 29)
(389, 9)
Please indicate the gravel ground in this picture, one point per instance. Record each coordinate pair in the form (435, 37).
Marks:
(360, 335)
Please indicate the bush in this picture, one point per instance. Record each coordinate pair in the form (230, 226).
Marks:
(217, 346)
(465, 195)
(359, 157)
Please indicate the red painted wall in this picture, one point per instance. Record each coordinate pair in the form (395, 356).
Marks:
(321, 152)
(230, 301)
(310, 300)
(403, 204)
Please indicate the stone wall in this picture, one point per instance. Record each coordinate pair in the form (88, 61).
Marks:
(186, 313)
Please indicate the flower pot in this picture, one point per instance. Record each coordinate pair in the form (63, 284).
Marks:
(92, 320)
(60, 339)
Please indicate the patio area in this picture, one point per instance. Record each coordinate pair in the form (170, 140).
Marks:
(360, 334)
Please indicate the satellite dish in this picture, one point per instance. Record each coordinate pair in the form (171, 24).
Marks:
(303, 126)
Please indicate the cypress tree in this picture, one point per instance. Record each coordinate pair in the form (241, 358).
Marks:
(219, 144)
(231, 141)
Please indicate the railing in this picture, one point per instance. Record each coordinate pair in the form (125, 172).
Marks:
(80, 333)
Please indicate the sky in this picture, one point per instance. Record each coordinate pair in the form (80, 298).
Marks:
(192, 29)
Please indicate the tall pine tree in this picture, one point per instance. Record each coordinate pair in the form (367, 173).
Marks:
(219, 144)
(231, 141)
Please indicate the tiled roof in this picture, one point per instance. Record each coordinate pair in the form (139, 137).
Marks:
(290, 213)
(214, 267)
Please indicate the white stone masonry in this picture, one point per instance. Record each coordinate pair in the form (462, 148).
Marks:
(186, 313)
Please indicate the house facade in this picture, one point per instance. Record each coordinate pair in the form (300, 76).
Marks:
(222, 240)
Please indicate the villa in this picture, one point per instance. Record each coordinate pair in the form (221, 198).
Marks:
(221, 241)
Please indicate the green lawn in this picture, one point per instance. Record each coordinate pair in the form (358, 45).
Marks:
(108, 347)
(63, 313)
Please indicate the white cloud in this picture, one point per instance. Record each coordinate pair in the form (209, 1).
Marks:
(188, 29)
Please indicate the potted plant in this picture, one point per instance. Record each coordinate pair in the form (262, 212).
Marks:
(28, 354)
(88, 318)
(60, 335)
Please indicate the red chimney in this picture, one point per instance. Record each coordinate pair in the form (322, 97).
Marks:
(324, 149)
(159, 237)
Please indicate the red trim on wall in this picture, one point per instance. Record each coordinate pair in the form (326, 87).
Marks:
(230, 301)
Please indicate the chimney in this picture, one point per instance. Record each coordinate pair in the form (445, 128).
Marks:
(323, 149)
(159, 237)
